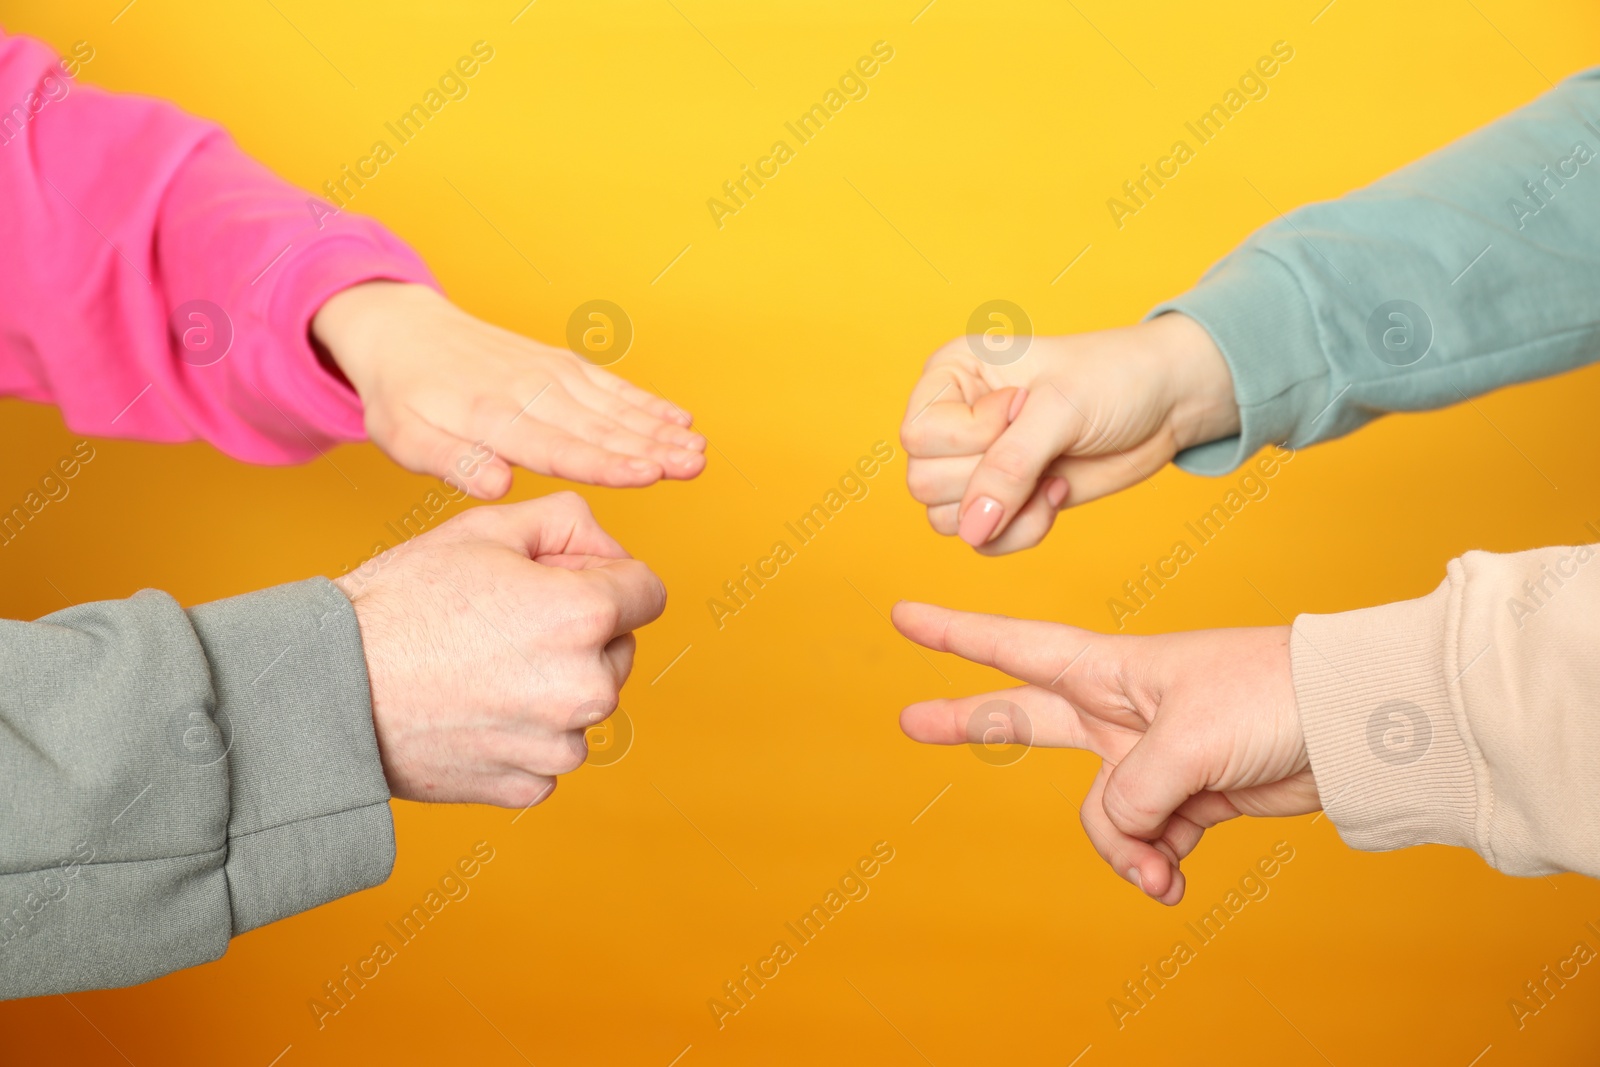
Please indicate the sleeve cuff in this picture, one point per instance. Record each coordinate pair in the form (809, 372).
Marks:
(1392, 758)
(309, 818)
(329, 265)
(1262, 321)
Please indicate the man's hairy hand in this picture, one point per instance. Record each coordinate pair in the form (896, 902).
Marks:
(493, 642)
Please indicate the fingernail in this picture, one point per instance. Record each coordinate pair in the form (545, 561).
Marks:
(643, 466)
(697, 443)
(1016, 404)
(979, 523)
(685, 458)
(1135, 877)
(1056, 491)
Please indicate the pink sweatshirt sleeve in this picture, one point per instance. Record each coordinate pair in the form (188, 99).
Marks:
(159, 283)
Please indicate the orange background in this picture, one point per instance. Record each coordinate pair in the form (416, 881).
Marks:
(991, 141)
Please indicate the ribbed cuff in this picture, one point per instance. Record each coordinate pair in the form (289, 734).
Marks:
(1262, 321)
(308, 803)
(1388, 747)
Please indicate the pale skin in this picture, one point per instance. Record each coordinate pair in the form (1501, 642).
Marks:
(492, 643)
(1191, 728)
(495, 640)
(435, 382)
(995, 451)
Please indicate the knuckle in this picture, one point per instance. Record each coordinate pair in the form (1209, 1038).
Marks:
(561, 452)
(657, 594)
(479, 519)
(484, 409)
(602, 701)
(1009, 464)
(569, 501)
(480, 523)
(567, 753)
(952, 350)
(1127, 813)
(621, 655)
(914, 434)
(596, 619)
(524, 791)
(919, 481)
(595, 710)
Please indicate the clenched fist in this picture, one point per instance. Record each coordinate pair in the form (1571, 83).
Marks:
(492, 643)
(996, 450)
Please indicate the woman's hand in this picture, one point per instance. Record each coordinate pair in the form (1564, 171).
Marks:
(1192, 728)
(436, 382)
(996, 450)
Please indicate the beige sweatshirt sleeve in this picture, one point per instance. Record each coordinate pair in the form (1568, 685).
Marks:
(1470, 716)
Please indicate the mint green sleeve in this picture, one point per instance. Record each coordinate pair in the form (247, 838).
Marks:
(1473, 268)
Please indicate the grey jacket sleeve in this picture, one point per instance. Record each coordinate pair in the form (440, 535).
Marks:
(172, 778)
(1473, 268)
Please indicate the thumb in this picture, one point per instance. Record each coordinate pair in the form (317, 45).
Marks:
(558, 525)
(1011, 467)
(1155, 778)
(418, 445)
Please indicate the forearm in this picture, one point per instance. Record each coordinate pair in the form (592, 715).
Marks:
(165, 282)
(1473, 268)
(1468, 717)
(171, 779)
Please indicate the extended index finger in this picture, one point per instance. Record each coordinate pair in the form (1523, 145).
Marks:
(1036, 652)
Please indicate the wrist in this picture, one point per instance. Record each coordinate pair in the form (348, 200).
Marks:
(350, 324)
(373, 643)
(1201, 402)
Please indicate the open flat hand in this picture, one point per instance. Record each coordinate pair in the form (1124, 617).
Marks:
(435, 381)
(1192, 728)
